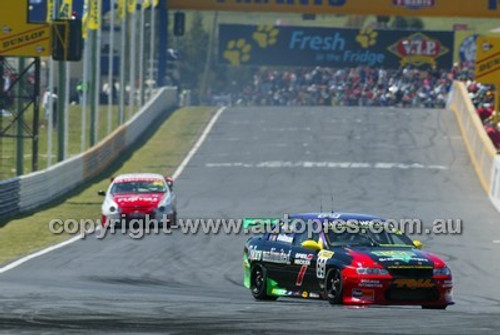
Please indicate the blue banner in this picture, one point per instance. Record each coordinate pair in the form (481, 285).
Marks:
(333, 47)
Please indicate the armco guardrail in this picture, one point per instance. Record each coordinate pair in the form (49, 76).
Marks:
(28, 192)
(9, 196)
(481, 150)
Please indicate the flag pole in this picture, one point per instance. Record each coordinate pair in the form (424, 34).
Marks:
(133, 58)
(111, 65)
(141, 57)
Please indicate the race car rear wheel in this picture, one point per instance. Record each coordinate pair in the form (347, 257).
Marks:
(334, 287)
(258, 283)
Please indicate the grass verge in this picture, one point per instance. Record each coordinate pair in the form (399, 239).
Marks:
(162, 153)
(8, 147)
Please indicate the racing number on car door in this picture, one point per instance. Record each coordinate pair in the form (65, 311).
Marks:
(303, 269)
(304, 264)
(323, 257)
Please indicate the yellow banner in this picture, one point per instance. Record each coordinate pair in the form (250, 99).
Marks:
(488, 60)
(94, 15)
(50, 10)
(66, 9)
(147, 3)
(450, 8)
(131, 6)
(121, 9)
(85, 19)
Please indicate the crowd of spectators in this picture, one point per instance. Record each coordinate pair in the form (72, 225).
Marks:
(363, 86)
(483, 98)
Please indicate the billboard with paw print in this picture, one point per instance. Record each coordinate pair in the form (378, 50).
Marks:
(333, 47)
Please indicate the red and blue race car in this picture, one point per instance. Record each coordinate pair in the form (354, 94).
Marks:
(362, 265)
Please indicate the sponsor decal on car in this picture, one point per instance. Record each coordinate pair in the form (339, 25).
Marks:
(303, 259)
(363, 294)
(370, 283)
(278, 291)
(274, 256)
(393, 255)
(314, 295)
(254, 254)
(414, 283)
(136, 198)
(447, 283)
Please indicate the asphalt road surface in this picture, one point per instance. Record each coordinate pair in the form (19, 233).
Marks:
(266, 162)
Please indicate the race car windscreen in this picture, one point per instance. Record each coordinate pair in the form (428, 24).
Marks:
(139, 187)
(368, 238)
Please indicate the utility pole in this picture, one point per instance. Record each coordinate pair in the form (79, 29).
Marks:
(20, 120)
(141, 55)
(123, 56)
(92, 86)
(162, 42)
(152, 42)
(111, 58)
(61, 98)
(2, 102)
(133, 58)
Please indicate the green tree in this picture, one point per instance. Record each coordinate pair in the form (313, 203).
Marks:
(411, 23)
(193, 53)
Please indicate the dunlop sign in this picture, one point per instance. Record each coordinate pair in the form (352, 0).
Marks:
(488, 60)
(17, 36)
(450, 8)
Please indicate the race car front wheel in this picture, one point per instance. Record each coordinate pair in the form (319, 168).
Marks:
(258, 283)
(334, 287)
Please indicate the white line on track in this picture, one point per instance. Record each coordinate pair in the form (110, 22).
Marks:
(38, 254)
(176, 174)
(496, 241)
(198, 144)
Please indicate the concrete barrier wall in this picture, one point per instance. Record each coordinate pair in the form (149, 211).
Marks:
(28, 192)
(481, 150)
(495, 186)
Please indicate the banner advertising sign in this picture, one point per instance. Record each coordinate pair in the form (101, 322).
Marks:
(450, 8)
(488, 60)
(20, 38)
(333, 47)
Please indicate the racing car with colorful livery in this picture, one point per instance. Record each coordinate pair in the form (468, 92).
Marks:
(138, 196)
(362, 266)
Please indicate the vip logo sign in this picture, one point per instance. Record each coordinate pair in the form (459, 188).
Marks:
(418, 49)
(414, 4)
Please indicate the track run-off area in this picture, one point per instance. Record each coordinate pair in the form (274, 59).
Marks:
(265, 162)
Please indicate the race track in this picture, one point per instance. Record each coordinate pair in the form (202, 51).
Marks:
(266, 162)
